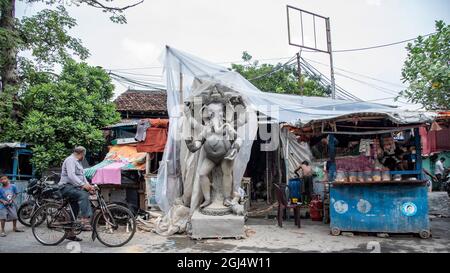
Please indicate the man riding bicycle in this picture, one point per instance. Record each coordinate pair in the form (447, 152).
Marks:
(75, 187)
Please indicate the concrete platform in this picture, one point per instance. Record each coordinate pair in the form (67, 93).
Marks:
(225, 226)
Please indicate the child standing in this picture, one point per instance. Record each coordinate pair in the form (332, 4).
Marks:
(8, 209)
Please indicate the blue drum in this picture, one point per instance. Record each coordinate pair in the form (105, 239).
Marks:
(295, 186)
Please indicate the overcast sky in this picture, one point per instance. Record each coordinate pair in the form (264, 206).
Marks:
(220, 30)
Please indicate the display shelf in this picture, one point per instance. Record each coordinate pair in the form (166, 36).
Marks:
(390, 182)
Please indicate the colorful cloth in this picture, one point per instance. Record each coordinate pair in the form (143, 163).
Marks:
(141, 130)
(110, 174)
(90, 172)
(119, 158)
(155, 137)
(154, 142)
(129, 154)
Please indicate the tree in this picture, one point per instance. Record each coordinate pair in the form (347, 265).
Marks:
(60, 114)
(41, 34)
(278, 78)
(427, 70)
(53, 112)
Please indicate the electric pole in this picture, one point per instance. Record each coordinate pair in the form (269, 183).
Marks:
(299, 69)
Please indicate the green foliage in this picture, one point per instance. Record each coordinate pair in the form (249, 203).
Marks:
(46, 36)
(53, 112)
(427, 69)
(116, 11)
(283, 79)
(8, 125)
(67, 112)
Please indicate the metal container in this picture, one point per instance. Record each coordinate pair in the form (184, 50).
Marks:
(382, 207)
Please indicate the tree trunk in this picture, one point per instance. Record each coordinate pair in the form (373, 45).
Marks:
(8, 73)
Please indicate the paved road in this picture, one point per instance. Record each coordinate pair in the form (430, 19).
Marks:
(264, 236)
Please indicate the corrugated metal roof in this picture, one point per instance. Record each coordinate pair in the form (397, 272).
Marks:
(123, 123)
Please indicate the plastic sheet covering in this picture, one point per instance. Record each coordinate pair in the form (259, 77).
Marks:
(282, 108)
(175, 221)
(292, 109)
(184, 73)
(294, 152)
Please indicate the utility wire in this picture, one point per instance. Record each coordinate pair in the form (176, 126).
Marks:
(385, 90)
(275, 69)
(136, 74)
(136, 82)
(379, 46)
(267, 59)
(337, 87)
(357, 74)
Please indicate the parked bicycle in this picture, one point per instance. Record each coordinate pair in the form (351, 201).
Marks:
(39, 191)
(113, 225)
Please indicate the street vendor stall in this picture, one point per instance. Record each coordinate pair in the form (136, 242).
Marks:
(127, 174)
(375, 179)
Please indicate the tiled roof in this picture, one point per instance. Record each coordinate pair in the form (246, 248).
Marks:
(142, 101)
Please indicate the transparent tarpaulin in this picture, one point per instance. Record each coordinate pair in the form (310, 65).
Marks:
(181, 70)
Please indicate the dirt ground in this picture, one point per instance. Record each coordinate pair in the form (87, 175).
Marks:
(263, 236)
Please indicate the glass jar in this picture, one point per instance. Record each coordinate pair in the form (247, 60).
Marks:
(385, 175)
(341, 176)
(352, 176)
(368, 175)
(361, 176)
(376, 176)
(397, 177)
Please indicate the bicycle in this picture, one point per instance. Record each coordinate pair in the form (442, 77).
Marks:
(39, 192)
(57, 221)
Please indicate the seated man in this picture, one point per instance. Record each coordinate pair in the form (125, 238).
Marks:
(76, 188)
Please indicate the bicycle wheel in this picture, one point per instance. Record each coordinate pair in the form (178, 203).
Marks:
(49, 224)
(24, 213)
(115, 228)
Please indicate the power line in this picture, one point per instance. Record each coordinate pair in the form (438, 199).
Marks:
(337, 87)
(379, 46)
(358, 74)
(136, 82)
(137, 74)
(275, 69)
(281, 58)
(386, 90)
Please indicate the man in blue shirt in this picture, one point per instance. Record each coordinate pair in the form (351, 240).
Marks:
(8, 209)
